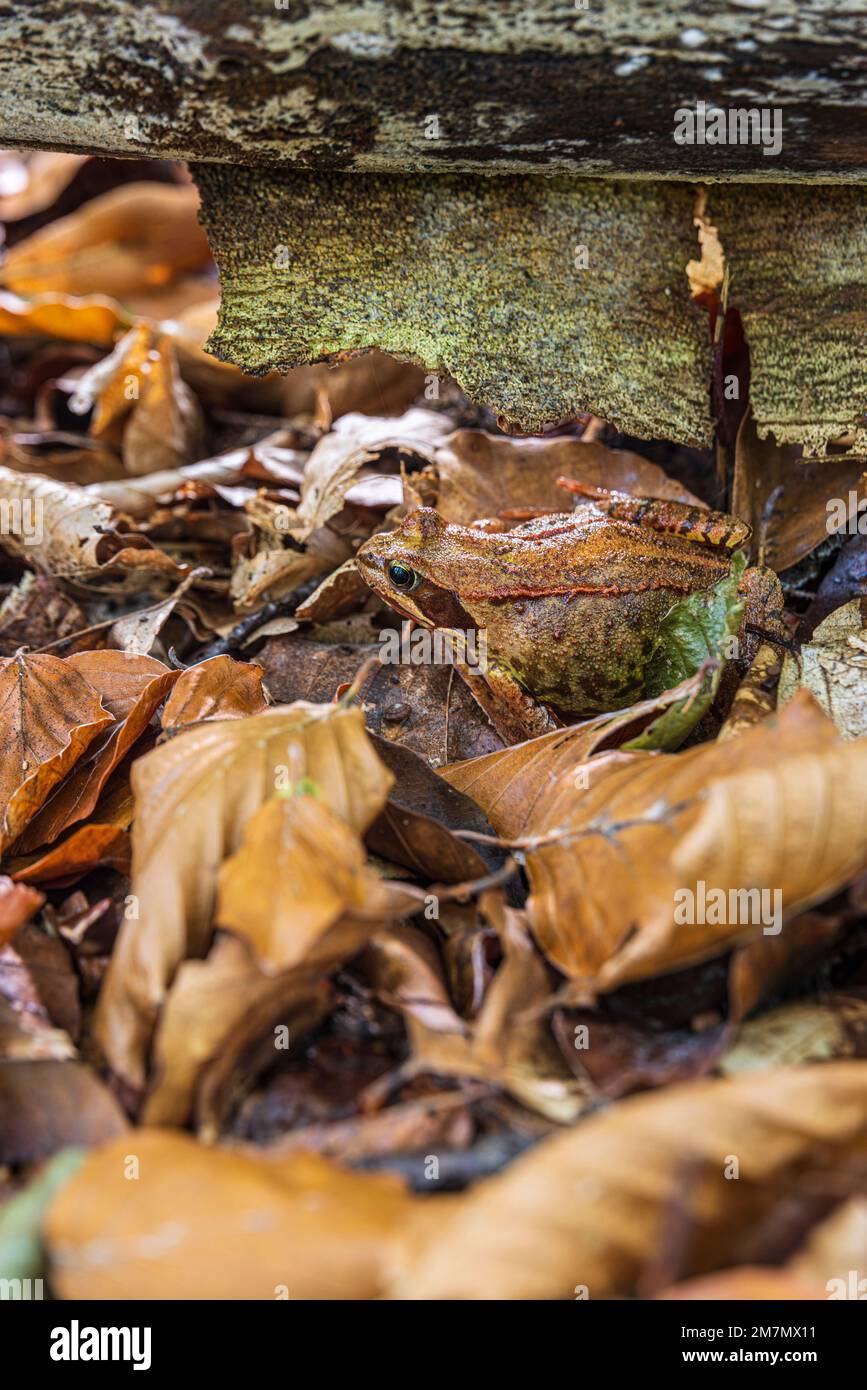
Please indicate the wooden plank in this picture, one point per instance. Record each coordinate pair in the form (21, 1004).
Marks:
(439, 84)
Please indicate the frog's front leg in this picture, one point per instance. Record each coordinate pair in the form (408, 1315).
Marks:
(673, 518)
(764, 608)
(515, 715)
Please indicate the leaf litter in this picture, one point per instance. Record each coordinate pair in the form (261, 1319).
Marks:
(457, 1012)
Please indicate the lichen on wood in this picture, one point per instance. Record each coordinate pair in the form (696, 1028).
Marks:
(797, 261)
(542, 297)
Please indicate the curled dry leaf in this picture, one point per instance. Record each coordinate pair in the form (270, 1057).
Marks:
(194, 797)
(833, 667)
(219, 688)
(217, 1008)
(803, 1031)
(357, 440)
(49, 715)
(132, 238)
(589, 1207)
(92, 846)
(299, 895)
(89, 319)
(62, 530)
(302, 1223)
(131, 688)
(479, 474)
(508, 1044)
(298, 889)
(784, 497)
(622, 843)
(18, 903)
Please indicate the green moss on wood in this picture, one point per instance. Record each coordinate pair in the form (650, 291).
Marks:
(481, 278)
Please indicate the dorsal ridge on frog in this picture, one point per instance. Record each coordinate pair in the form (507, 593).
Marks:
(571, 602)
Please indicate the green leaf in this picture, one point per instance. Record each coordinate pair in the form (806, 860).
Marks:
(693, 643)
(21, 1253)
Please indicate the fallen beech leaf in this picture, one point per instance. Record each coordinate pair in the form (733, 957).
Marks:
(131, 688)
(765, 965)
(298, 888)
(49, 715)
(508, 1044)
(511, 784)
(415, 827)
(63, 530)
(46, 1106)
(620, 843)
(784, 497)
(301, 1223)
(194, 797)
(341, 592)
(424, 708)
(37, 970)
(215, 1008)
(275, 569)
(166, 428)
(38, 179)
(93, 319)
(589, 1207)
(356, 440)
(89, 847)
(481, 474)
(132, 238)
(17, 906)
(803, 1031)
(833, 667)
(35, 613)
(220, 688)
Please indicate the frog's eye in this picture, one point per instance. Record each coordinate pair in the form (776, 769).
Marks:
(403, 578)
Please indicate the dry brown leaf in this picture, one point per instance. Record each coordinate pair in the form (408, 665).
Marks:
(89, 847)
(589, 1207)
(17, 906)
(620, 842)
(274, 568)
(131, 688)
(302, 1225)
(49, 715)
(356, 440)
(215, 1009)
(508, 1044)
(63, 530)
(784, 497)
(299, 889)
(481, 474)
(166, 428)
(91, 319)
(512, 784)
(39, 177)
(299, 895)
(47, 1105)
(194, 797)
(219, 688)
(135, 237)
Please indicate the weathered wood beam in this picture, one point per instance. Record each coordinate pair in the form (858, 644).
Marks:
(591, 88)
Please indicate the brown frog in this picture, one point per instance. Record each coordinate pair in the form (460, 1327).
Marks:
(571, 603)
